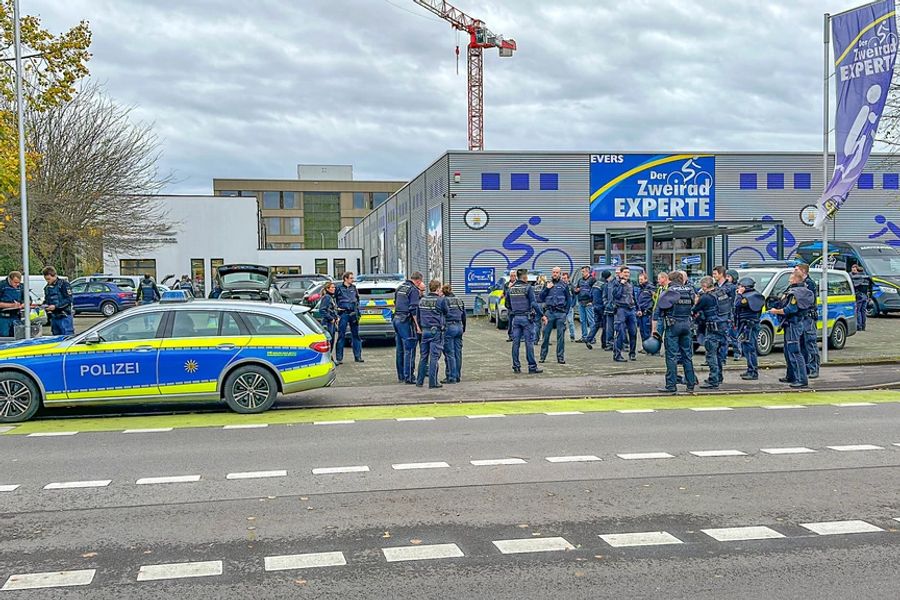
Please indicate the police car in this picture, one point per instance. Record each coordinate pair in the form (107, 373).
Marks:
(376, 306)
(497, 311)
(242, 353)
(772, 282)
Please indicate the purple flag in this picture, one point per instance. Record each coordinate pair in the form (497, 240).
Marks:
(865, 47)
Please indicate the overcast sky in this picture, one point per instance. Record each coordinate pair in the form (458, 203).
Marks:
(248, 89)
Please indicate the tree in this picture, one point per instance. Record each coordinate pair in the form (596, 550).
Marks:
(89, 191)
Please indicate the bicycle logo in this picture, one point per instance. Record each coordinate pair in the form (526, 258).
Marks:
(518, 253)
(771, 248)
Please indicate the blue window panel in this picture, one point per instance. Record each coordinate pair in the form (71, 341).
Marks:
(891, 181)
(802, 181)
(866, 181)
(775, 181)
(549, 181)
(490, 181)
(518, 181)
(748, 181)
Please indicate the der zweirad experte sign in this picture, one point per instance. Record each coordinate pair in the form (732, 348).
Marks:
(653, 187)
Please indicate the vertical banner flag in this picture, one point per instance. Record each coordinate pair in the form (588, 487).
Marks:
(865, 47)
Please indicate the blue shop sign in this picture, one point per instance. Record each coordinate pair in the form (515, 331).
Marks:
(479, 279)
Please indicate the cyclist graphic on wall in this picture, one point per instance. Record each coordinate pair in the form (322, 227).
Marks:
(887, 227)
(771, 248)
(511, 243)
(519, 252)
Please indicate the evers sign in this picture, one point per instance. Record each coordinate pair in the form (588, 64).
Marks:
(649, 187)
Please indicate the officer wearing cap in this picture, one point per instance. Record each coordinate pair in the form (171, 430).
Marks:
(406, 326)
(556, 299)
(725, 281)
(58, 300)
(583, 289)
(147, 292)
(712, 325)
(347, 299)
(674, 307)
(748, 305)
(598, 291)
(11, 304)
(645, 300)
(809, 345)
(625, 315)
(862, 287)
(794, 306)
(453, 337)
(520, 302)
(433, 312)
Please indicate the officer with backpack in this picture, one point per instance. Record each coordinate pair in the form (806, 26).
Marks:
(147, 292)
(748, 305)
(794, 307)
(433, 312)
(520, 302)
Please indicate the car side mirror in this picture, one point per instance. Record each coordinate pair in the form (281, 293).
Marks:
(92, 338)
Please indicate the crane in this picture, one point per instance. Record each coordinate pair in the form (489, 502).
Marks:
(480, 37)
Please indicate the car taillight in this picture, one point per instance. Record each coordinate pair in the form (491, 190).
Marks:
(124, 295)
(322, 347)
(314, 297)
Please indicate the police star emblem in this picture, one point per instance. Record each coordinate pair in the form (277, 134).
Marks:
(191, 366)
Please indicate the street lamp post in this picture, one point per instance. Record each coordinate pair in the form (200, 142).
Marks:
(23, 187)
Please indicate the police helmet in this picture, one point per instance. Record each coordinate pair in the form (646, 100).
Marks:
(652, 345)
(747, 282)
(733, 274)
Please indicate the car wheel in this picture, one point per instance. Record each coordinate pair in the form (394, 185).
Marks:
(108, 309)
(837, 339)
(250, 389)
(765, 341)
(19, 397)
(872, 310)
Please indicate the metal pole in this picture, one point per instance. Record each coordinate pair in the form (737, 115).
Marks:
(823, 284)
(23, 190)
(779, 236)
(323, 239)
(648, 252)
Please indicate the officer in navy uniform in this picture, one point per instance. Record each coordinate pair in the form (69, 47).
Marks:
(583, 292)
(453, 337)
(11, 304)
(147, 292)
(862, 288)
(328, 311)
(556, 299)
(723, 281)
(809, 345)
(597, 291)
(794, 306)
(433, 312)
(520, 302)
(748, 304)
(347, 298)
(713, 310)
(58, 300)
(645, 302)
(625, 316)
(674, 307)
(406, 326)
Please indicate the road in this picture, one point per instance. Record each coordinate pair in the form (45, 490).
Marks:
(528, 506)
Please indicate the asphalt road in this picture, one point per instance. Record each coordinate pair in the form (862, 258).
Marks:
(513, 507)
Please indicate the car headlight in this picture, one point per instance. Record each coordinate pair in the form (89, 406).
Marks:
(888, 290)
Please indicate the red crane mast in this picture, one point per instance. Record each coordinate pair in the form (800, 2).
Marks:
(480, 37)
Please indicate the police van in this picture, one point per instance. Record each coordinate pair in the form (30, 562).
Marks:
(772, 283)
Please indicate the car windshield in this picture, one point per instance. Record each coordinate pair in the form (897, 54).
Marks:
(762, 278)
(377, 291)
(244, 277)
(882, 263)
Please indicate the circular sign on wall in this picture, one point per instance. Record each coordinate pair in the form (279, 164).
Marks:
(476, 218)
(808, 214)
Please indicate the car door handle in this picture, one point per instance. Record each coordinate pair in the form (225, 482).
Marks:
(226, 346)
(144, 349)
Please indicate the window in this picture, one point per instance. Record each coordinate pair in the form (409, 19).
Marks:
(518, 181)
(271, 200)
(490, 181)
(79, 288)
(198, 271)
(266, 325)
(230, 325)
(288, 270)
(340, 265)
(866, 181)
(229, 193)
(362, 200)
(214, 264)
(775, 181)
(289, 200)
(549, 181)
(97, 288)
(357, 220)
(273, 225)
(379, 198)
(890, 181)
(748, 181)
(292, 226)
(138, 266)
(139, 327)
(195, 323)
(321, 219)
(802, 181)
(781, 285)
(322, 266)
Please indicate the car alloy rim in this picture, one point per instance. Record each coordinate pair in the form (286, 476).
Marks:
(15, 398)
(251, 390)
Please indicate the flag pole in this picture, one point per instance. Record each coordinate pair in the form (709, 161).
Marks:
(23, 187)
(823, 283)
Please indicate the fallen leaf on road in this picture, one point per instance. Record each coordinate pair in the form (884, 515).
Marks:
(415, 542)
(148, 551)
(304, 498)
(524, 526)
(89, 555)
(598, 556)
(300, 581)
(386, 535)
(248, 518)
(579, 573)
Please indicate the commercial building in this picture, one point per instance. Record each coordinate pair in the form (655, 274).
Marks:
(470, 217)
(308, 212)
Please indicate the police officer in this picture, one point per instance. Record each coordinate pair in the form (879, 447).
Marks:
(713, 324)
(186, 285)
(453, 337)
(570, 313)
(809, 345)
(748, 305)
(406, 326)
(794, 306)
(433, 312)
(556, 299)
(520, 302)
(11, 304)
(513, 276)
(862, 287)
(645, 300)
(147, 292)
(347, 299)
(674, 307)
(328, 310)
(58, 300)
(625, 316)
(583, 294)
(597, 303)
(725, 282)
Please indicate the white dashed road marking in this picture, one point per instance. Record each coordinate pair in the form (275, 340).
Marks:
(841, 527)
(6, 428)
(650, 538)
(713, 453)
(563, 413)
(335, 470)
(484, 416)
(180, 570)
(855, 448)
(305, 561)
(71, 485)
(344, 422)
(9, 487)
(426, 552)
(156, 430)
(256, 474)
(52, 433)
(405, 419)
(711, 408)
(635, 411)
(34, 581)
(644, 455)
(247, 426)
(850, 404)
(492, 462)
(797, 450)
(172, 479)
(550, 544)
(783, 406)
(568, 459)
(421, 465)
(738, 534)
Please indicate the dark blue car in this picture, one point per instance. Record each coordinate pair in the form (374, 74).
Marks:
(100, 297)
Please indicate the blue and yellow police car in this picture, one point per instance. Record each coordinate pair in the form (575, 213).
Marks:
(240, 352)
